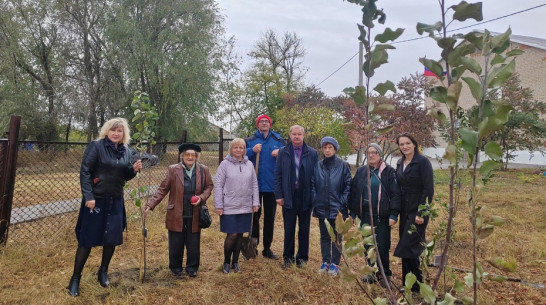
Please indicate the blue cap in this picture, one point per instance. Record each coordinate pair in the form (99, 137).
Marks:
(331, 141)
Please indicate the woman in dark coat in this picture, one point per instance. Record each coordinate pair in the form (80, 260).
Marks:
(385, 207)
(183, 181)
(416, 180)
(330, 187)
(104, 170)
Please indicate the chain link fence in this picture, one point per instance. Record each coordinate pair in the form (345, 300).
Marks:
(47, 193)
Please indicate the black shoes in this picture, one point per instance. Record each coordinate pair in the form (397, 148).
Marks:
(287, 263)
(191, 273)
(225, 268)
(177, 271)
(300, 263)
(235, 267)
(370, 279)
(102, 276)
(74, 286)
(269, 254)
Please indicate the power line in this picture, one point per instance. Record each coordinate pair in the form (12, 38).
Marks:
(424, 37)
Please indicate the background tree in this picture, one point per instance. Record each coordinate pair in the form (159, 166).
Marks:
(526, 127)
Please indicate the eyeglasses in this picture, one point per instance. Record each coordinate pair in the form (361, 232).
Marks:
(371, 153)
(187, 155)
(263, 121)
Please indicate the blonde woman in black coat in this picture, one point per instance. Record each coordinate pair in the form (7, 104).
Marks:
(415, 178)
(105, 168)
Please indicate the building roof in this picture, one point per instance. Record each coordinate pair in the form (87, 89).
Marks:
(539, 43)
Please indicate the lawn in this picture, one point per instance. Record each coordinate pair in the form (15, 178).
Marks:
(37, 271)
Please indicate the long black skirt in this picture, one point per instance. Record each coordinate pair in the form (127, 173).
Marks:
(104, 225)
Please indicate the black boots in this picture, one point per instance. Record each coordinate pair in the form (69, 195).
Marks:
(102, 276)
(74, 286)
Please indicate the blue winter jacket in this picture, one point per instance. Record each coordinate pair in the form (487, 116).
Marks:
(266, 166)
(285, 174)
(331, 185)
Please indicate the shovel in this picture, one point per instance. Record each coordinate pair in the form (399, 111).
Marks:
(250, 245)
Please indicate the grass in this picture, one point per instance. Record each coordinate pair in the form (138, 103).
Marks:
(37, 270)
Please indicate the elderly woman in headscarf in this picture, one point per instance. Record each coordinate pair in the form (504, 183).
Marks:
(382, 204)
(184, 180)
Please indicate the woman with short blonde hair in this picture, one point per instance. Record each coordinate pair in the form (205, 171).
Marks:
(113, 124)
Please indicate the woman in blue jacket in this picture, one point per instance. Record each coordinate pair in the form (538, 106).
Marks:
(330, 188)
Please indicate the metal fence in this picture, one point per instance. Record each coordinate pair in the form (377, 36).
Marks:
(47, 192)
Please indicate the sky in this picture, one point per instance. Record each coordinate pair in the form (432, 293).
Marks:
(329, 33)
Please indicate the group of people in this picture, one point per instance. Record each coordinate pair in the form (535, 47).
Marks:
(259, 173)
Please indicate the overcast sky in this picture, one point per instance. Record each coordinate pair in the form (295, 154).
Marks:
(329, 32)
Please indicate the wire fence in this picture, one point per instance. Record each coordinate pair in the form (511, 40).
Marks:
(47, 193)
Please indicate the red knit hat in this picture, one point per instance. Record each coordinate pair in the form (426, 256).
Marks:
(262, 116)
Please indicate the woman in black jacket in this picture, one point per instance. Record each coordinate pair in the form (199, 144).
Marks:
(385, 203)
(104, 170)
(330, 187)
(415, 177)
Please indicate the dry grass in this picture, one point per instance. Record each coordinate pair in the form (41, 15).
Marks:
(37, 271)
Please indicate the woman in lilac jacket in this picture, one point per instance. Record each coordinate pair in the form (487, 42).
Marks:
(236, 196)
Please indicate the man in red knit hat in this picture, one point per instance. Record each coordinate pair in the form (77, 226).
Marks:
(266, 142)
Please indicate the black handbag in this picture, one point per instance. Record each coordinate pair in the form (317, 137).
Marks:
(204, 216)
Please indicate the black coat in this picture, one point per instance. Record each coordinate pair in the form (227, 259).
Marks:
(285, 174)
(390, 194)
(103, 173)
(416, 188)
(330, 188)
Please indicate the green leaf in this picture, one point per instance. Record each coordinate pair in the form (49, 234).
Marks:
(389, 34)
(469, 280)
(429, 28)
(427, 293)
(488, 166)
(475, 88)
(457, 72)
(514, 52)
(489, 125)
(133, 193)
(495, 220)
(433, 66)
(377, 58)
(485, 231)
(359, 95)
(469, 138)
(438, 115)
(453, 94)
(380, 301)
(498, 278)
(458, 52)
(499, 263)
(498, 59)
(143, 189)
(500, 40)
(465, 10)
(446, 43)
(409, 281)
(459, 286)
(385, 129)
(383, 88)
(493, 150)
(500, 75)
(471, 64)
(330, 229)
(467, 300)
(384, 107)
(363, 34)
(451, 153)
(448, 300)
(138, 202)
(438, 93)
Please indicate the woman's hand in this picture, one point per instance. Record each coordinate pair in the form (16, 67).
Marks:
(219, 212)
(90, 204)
(419, 220)
(137, 166)
(392, 222)
(146, 210)
(255, 208)
(197, 201)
